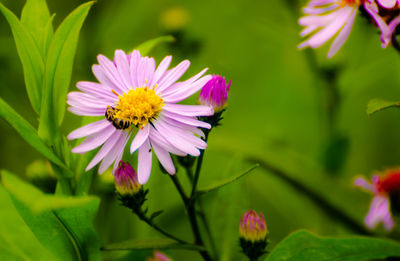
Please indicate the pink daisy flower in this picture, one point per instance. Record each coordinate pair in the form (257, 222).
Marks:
(137, 99)
(386, 190)
(386, 14)
(328, 18)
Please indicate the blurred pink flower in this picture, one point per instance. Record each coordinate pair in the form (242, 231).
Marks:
(158, 256)
(388, 3)
(386, 16)
(386, 190)
(132, 94)
(328, 18)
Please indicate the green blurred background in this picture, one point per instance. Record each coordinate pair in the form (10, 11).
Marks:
(296, 111)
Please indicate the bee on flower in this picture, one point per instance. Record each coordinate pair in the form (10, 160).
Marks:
(138, 100)
(386, 200)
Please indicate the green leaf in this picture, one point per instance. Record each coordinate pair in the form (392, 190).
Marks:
(58, 71)
(303, 245)
(27, 132)
(156, 214)
(30, 57)
(79, 221)
(376, 105)
(158, 243)
(36, 19)
(67, 232)
(12, 226)
(147, 46)
(219, 184)
(36, 199)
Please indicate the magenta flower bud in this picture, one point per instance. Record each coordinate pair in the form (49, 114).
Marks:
(215, 93)
(158, 256)
(253, 234)
(126, 179)
(252, 226)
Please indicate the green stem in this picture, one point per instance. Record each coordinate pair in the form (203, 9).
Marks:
(179, 187)
(190, 206)
(198, 167)
(203, 218)
(150, 222)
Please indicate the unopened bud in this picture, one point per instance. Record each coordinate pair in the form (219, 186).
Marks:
(215, 93)
(253, 234)
(126, 179)
(130, 192)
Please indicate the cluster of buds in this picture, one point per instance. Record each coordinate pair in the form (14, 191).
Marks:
(130, 192)
(215, 94)
(253, 234)
(386, 201)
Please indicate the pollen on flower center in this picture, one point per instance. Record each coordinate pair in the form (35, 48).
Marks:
(139, 106)
(351, 2)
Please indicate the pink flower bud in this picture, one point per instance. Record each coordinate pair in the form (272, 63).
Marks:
(215, 93)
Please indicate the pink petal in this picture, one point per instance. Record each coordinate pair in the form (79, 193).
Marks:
(186, 91)
(87, 111)
(161, 69)
(89, 129)
(156, 137)
(107, 147)
(140, 138)
(97, 90)
(144, 162)
(122, 63)
(164, 158)
(95, 140)
(343, 35)
(111, 72)
(189, 110)
(192, 121)
(115, 152)
(172, 76)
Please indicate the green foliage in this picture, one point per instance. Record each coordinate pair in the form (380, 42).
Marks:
(376, 105)
(59, 64)
(30, 56)
(27, 132)
(221, 183)
(35, 17)
(303, 245)
(36, 199)
(147, 46)
(157, 243)
(63, 225)
(17, 242)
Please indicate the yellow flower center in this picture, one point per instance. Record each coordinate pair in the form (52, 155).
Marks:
(138, 106)
(351, 2)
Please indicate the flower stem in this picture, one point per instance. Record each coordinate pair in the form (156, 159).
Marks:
(142, 216)
(395, 43)
(203, 218)
(198, 167)
(190, 205)
(179, 187)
